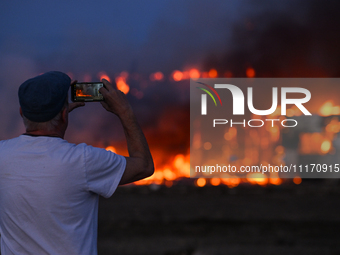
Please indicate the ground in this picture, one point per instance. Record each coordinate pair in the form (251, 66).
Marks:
(187, 220)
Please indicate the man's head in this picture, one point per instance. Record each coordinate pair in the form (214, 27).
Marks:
(43, 100)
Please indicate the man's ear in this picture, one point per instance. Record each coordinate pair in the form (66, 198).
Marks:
(20, 111)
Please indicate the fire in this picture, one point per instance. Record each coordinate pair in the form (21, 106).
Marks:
(230, 181)
(103, 75)
(232, 132)
(294, 111)
(213, 73)
(201, 182)
(177, 75)
(314, 143)
(178, 167)
(250, 72)
(79, 93)
(333, 126)
(328, 109)
(215, 181)
(326, 146)
(120, 80)
(158, 76)
(274, 178)
(194, 73)
(262, 146)
(121, 83)
(297, 180)
(257, 178)
(111, 148)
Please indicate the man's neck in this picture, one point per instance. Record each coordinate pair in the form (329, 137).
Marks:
(45, 133)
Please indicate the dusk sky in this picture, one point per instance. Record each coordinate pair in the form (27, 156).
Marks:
(82, 36)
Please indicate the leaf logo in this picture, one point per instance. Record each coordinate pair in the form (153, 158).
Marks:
(209, 93)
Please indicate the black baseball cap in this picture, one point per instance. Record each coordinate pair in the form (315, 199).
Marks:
(41, 98)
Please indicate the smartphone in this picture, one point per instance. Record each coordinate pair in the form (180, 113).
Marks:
(86, 92)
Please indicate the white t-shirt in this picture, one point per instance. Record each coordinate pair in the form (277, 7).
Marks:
(49, 191)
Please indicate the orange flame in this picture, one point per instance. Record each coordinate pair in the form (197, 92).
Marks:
(111, 148)
(213, 73)
(194, 73)
(103, 75)
(121, 83)
(297, 180)
(177, 75)
(250, 72)
(257, 178)
(328, 109)
(201, 182)
(267, 140)
(79, 93)
(314, 143)
(158, 76)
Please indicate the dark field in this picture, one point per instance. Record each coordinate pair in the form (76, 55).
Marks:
(184, 220)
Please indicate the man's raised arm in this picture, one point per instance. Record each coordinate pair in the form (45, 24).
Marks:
(139, 164)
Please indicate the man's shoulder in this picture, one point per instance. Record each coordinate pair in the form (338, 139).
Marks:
(39, 141)
(49, 142)
(10, 140)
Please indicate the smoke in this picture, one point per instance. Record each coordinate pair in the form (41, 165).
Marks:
(300, 40)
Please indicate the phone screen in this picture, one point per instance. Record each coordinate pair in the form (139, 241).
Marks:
(87, 91)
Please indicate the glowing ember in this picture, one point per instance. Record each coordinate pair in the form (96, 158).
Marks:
(194, 73)
(326, 109)
(232, 132)
(333, 126)
(314, 143)
(297, 180)
(122, 85)
(250, 72)
(158, 76)
(326, 146)
(213, 73)
(111, 148)
(103, 75)
(215, 181)
(177, 75)
(231, 182)
(274, 178)
(257, 178)
(201, 182)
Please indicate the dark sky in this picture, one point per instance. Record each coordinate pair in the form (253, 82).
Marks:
(86, 36)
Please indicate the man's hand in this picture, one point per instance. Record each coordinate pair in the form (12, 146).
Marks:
(139, 164)
(72, 106)
(115, 101)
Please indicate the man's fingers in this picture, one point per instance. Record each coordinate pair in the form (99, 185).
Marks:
(107, 84)
(103, 91)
